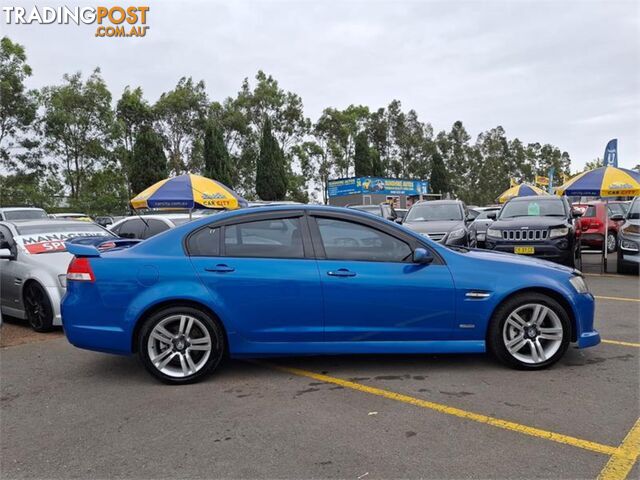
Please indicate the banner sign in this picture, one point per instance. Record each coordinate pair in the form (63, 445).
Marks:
(611, 154)
(382, 186)
(542, 180)
(552, 171)
(53, 242)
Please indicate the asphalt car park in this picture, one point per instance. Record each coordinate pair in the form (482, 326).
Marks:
(71, 413)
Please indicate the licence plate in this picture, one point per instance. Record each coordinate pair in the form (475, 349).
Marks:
(524, 250)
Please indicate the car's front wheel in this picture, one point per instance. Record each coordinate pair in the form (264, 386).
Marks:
(529, 331)
(612, 242)
(181, 344)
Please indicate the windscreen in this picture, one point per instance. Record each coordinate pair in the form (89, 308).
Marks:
(533, 208)
(25, 214)
(45, 238)
(436, 212)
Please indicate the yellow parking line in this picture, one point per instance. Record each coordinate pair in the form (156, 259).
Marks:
(456, 412)
(624, 344)
(619, 299)
(621, 462)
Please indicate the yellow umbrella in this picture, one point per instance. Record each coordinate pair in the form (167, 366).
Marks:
(188, 191)
(522, 190)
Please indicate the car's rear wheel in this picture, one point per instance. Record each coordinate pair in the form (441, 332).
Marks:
(38, 307)
(612, 242)
(181, 344)
(529, 331)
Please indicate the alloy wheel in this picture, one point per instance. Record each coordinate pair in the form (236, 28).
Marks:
(532, 333)
(179, 346)
(36, 307)
(611, 243)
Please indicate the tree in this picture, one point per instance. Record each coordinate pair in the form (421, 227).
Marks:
(17, 105)
(362, 157)
(439, 181)
(377, 167)
(133, 113)
(180, 115)
(78, 127)
(271, 171)
(217, 164)
(149, 163)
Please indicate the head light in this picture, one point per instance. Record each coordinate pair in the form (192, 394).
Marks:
(559, 232)
(494, 233)
(579, 284)
(628, 245)
(459, 233)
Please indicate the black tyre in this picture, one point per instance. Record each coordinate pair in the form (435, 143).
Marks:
(38, 307)
(181, 344)
(625, 268)
(529, 331)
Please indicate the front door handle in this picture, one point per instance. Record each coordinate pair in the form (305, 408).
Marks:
(341, 272)
(220, 268)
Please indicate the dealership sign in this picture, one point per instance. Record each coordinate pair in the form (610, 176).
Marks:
(377, 185)
(53, 241)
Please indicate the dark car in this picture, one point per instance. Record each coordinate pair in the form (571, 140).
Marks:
(444, 221)
(479, 226)
(383, 210)
(629, 240)
(542, 227)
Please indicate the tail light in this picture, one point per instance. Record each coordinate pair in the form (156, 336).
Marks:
(80, 270)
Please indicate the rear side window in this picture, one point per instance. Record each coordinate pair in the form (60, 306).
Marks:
(133, 228)
(278, 238)
(205, 243)
(155, 227)
(343, 240)
(590, 212)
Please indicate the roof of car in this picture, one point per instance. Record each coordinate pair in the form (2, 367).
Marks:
(13, 209)
(439, 202)
(168, 216)
(44, 221)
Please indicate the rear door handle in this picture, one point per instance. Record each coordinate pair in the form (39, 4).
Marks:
(341, 272)
(220, 268)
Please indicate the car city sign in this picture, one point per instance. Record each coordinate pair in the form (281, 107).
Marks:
(115, 21)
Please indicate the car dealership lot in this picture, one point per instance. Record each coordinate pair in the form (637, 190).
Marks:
(71, 413)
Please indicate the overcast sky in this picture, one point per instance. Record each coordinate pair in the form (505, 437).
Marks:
(562, 72)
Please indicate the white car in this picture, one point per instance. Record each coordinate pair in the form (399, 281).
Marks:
(21, 213)
(33, 267)
(145, 226)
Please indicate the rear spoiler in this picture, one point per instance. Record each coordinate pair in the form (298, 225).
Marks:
(94, 246)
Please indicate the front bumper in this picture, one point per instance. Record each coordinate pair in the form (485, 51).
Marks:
(628, 255)
(584, 312)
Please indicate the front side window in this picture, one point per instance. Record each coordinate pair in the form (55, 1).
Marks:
(344, 240)
(278, 238)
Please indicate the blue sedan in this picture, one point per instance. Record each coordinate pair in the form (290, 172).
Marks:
(301, 280)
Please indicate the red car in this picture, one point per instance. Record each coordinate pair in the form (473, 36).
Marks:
(593, 220)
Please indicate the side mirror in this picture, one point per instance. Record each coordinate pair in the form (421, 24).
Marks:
(576, 213)
(617, 217)
(492, 215)
(5, 254)
(422, 256)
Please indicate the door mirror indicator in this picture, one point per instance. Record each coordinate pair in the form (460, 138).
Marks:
(422, 255)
